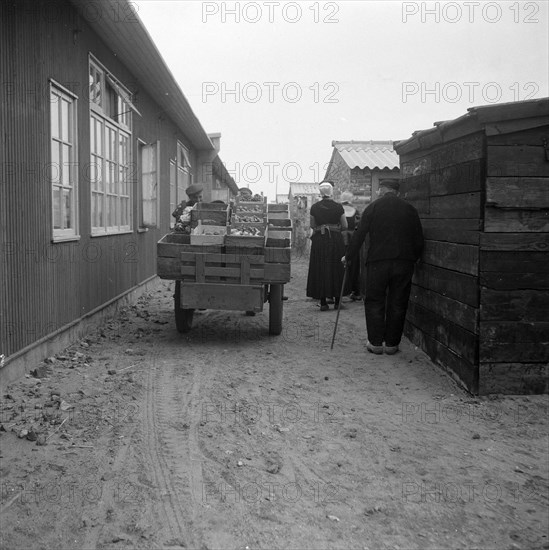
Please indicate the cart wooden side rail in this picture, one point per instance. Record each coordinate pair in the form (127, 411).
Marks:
(223, 277)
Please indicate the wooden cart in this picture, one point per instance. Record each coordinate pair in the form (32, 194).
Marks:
(226, 276)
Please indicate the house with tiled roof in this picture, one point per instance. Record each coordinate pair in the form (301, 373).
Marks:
(357, 166)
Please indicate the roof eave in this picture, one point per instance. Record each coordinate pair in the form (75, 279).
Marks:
(132, 44)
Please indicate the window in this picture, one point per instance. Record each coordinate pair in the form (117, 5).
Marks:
(180, 178)
(64, 167)
(173, 188)
(184, 177)
(149, 184)
(110, 144)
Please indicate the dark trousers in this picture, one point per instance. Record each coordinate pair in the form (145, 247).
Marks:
(388, 284)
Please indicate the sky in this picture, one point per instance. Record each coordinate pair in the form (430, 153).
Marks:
(281, 80)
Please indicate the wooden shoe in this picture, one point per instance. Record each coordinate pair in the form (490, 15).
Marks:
(391, 350)
(378, 350)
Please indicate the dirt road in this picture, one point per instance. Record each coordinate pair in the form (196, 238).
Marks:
(140, 437)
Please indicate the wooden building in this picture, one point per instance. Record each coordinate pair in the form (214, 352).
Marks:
(98, 146)
(480, 298)
(357, 167)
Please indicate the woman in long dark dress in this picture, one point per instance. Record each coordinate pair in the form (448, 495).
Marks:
(325, 268)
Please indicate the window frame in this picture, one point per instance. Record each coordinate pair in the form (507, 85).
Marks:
(141, 145)
(73, 233)
(115, 195)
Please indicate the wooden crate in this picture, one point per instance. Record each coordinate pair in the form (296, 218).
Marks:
(208, 213)
(280, 239)
(277, 216)
(278, 208)
(231, 269)
(168, 251)
(203, 235)
(280, 223)
(222, 296)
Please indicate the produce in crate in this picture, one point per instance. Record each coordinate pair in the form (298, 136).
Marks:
(247, 218)
(242, 230)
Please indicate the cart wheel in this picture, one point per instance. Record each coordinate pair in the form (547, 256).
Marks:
(275, 309)
(183, 317)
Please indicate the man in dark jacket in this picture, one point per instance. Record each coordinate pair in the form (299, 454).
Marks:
(396, 243)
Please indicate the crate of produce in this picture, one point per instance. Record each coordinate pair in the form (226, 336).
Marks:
(208, 234)
(209, 213)
(246, 235)
(248, 217)
(251, 208)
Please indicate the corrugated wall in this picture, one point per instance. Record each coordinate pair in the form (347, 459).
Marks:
(48, 285)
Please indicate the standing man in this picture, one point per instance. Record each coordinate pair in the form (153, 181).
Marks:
(396, 243)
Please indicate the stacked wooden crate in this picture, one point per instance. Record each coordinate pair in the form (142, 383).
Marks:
(279, 226)
(248, 224)
(480, 294)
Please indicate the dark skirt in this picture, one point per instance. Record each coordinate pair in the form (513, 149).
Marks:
(325, 268)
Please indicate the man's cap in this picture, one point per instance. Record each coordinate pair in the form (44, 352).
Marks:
(194, 189)
(390, 184)
(245, 191)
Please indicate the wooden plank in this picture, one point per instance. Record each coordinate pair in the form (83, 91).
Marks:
(457, 312)
(506, 352)
(532, 136)
(458, 257)
(168, 268)
(465, 205)
(200, 260)
(513, 281)
(222, 296)
(510, 261)
(462, 342)
(424, 161)
(520, 160)
(517, 192)
(459, 178)
(460, 369)
(515, 241)
(513, 305)
(500, 220)
(458, 286)
(507, 342)
(513, 378)
(278, 255)
(524, 125)
(221, 258)
(245, 271)
(459, 231)
(513, 332)
(277, 273)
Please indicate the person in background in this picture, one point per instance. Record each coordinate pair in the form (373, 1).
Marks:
(327, 220)
(352, 215)
(396, 243)
(182, 213)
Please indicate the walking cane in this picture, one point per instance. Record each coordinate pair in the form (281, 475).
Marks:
(339, 305)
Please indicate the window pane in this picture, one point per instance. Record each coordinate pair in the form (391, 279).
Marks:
(65, 166)
(54, 110)
(55, 163)
(65, 120)
(67, 194)
(56, 199)
(99, 132)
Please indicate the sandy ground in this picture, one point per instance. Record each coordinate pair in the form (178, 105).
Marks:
(226, 437)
